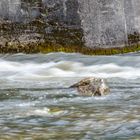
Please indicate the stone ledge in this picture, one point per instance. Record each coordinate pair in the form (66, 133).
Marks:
(42, 46)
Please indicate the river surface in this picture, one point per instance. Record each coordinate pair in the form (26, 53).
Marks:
(36, 103)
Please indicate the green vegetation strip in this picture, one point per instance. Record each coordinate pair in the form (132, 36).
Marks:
(48, 48)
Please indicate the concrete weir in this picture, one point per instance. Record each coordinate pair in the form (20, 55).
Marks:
(110, 22)
(90, 27)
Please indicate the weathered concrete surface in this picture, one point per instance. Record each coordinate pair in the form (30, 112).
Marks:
(109, 22)
(56, 21)
(97, 23)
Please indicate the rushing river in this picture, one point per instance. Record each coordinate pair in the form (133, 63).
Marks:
(36, 103)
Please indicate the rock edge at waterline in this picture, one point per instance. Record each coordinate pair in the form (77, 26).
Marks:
(47, 47)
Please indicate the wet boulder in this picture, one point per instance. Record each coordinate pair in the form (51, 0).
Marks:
(92, 87)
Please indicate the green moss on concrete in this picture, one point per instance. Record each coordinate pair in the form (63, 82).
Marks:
(47, 48)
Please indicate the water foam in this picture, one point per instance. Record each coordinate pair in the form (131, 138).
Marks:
(40, 71)
(46, 112)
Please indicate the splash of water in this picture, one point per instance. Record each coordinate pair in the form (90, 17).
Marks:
(41, 71)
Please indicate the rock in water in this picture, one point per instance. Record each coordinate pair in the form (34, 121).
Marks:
(92, 87)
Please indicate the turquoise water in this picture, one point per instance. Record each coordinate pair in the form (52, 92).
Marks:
(36, 103)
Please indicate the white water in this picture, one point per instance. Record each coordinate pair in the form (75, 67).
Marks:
(35, 102)
(32, 70)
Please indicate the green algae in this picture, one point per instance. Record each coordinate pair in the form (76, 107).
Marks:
(45, 47)
(48, 48)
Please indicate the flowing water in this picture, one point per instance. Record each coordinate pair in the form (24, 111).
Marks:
(36, 103)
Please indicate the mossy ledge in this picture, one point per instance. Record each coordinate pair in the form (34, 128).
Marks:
(45, 47)
(88, 51)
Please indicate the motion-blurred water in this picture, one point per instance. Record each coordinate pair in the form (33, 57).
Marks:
(35, 102)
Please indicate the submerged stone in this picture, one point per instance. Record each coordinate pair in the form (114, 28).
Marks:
(92, 87)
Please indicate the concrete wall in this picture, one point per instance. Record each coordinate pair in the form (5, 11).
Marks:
(109, 22)
(10, 9)
(104, 23)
